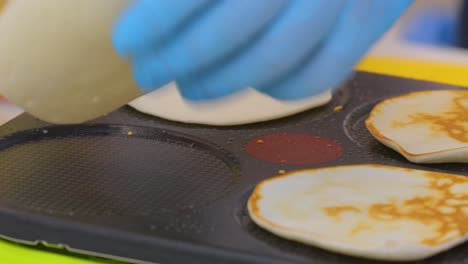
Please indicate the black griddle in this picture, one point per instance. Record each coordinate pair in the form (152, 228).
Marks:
(174, 193)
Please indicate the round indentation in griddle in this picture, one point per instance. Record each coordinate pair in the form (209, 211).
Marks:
(112, 170)
(339, 100)
(356, 130)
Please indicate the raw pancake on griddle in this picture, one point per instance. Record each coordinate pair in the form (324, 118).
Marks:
(425, 127)
(247, 106)
(369, 211)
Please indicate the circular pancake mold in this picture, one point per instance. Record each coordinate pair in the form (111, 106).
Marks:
(112, 170)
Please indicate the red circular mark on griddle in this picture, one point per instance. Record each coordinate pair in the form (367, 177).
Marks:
(294, 149)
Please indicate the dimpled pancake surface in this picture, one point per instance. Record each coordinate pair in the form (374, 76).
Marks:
(425, 127)
(369, 211)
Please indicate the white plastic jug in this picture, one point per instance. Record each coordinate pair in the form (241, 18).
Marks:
(57, 59)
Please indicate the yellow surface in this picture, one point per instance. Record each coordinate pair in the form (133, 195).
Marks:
(453, 74)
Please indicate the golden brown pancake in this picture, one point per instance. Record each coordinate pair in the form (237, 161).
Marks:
(425, 127)
(370, 211)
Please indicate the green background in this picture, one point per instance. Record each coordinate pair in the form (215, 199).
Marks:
(14, 253)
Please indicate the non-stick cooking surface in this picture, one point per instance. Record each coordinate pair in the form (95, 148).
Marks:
(146, 172)
(133, 186)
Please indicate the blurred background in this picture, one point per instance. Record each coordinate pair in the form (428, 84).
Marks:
(432, 31)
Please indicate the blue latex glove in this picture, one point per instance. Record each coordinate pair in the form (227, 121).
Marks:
(434, 26)
(288, 49)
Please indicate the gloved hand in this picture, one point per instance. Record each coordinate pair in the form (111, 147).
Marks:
(288, 49)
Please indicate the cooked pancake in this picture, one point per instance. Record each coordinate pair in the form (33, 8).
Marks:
(425, 127)
(247, 106)
(369, 211)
